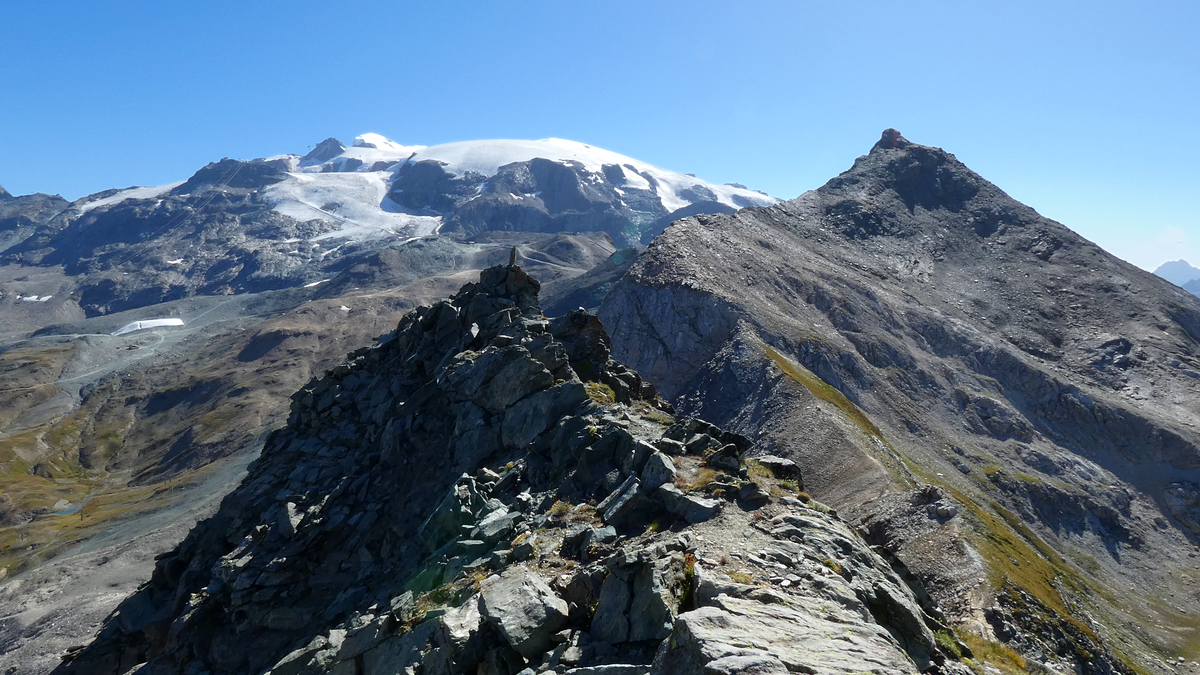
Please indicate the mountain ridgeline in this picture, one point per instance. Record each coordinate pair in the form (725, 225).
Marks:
(899, 424)
(909, 325)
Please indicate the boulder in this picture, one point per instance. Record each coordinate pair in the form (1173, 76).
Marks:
(657, 589)
(536, 413)
(524, 609)
(779, 467)
(610, 623)
(462, 637)
(400, 654)
(692, 508)
(659, 469)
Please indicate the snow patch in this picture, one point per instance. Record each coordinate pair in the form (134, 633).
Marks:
(131, 193)
(34, 298)
(315, 283)
(150, 323)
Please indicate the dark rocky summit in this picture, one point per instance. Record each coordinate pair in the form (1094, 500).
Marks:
(909, 327)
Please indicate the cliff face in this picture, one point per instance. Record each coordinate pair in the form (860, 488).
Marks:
(485, 490)
(909, 325)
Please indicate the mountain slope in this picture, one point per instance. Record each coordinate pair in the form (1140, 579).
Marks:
(908, 324)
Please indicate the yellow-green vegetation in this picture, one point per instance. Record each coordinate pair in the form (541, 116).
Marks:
(559, 509)
(600, 392)
(654, 414)
(29, 544)
(794, 487)
(740, 577)
(994, 654)
(1015, 554)
(28, 377)
(836, 566)
(991, 470)
(689, 580)
(1017, 558)
(758, 473)
(583, 513)
(691, 476)
(823, 390)
(442, 596)
(947, 643)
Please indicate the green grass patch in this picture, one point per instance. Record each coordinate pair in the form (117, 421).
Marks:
(948, 645)
(741, 578)
(823, 390)
(600, 392)
(1004, 659)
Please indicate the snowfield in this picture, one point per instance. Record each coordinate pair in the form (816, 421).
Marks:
(355, 201)
(346, 191)
(486, 158)
(150, 323)
(131, 193)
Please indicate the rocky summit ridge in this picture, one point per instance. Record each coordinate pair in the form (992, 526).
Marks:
(909, 334)
(486, 490)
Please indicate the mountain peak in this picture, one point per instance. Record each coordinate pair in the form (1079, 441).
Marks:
(1178, 272)
(4, 193)
(324, 151)
(918, 175)
(891, 140)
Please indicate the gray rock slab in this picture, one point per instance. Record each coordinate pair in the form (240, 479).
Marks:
(692, 508)
(747, 633)
(524, 609)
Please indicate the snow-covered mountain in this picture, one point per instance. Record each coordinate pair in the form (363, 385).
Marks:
(380, 188)
(289, 220)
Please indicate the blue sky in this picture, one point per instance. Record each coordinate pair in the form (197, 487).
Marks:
(1087, 112)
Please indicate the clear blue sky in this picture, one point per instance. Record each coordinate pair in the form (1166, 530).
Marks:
(1089, 112)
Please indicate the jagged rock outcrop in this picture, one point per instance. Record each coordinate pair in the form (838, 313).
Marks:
(484, 490)
(909, 325)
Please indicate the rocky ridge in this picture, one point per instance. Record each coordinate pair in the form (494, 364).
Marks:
(486, 490)
(909, 327)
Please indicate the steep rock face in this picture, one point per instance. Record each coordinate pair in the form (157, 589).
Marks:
(485, 490)
(908, 323)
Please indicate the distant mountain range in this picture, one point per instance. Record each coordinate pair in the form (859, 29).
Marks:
(1180, 273)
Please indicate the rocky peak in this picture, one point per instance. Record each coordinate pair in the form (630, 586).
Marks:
(915, 175)
(324, 151)
(4, 193)
(485, 490)
(236, 174)
(890, 140)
